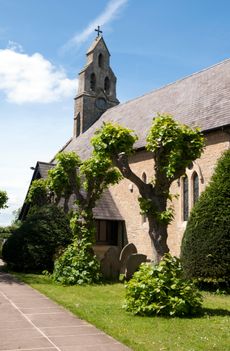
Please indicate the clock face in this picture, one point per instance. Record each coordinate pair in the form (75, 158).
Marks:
(101, 104)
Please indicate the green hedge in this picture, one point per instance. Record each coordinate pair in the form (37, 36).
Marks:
(205, 251)
(33, 245)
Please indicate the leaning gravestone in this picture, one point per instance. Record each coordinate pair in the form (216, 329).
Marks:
(132, 264)
(128, 250)
(110, 264)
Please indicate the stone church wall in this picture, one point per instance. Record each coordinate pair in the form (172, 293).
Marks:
(125, 194)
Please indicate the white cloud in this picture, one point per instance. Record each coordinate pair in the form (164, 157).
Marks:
(111, 11)
(33, 79)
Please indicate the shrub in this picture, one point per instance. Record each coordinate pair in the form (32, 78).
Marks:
(205, 251)
(5, 233)
(162, 290)
(33, 245)
(77, 266)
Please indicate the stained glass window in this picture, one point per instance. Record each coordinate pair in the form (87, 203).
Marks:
(185, 198)
(195, 187)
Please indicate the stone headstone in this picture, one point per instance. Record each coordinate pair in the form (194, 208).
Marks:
(132, 264)
(110, 264)
(128, 250)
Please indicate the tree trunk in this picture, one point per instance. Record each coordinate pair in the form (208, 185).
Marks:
(158, 195)
(158, 234)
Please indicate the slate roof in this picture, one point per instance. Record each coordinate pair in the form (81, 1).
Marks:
(43, 168)
(105, 207)
(202, 99)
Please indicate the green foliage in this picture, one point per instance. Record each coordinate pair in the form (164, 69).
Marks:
(86, 180)
(33, 245)
(3, 199)
(113, 139)
(38, 193)
(99, 172)
(205, 250)
(65, 171)
(6, 232)
(162, 290)
(148, 208)
(77, 265)
(174, 145)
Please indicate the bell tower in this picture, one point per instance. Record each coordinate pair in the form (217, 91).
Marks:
(97, 87)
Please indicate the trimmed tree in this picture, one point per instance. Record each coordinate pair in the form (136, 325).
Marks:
(86, 181)
(173, 146)
(3, 199)
(205, 250)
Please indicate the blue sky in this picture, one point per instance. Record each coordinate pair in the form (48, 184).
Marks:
(42, 49)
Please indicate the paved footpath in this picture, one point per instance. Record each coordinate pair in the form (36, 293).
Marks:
(29, 321)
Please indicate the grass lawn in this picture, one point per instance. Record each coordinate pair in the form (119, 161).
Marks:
(101, 306)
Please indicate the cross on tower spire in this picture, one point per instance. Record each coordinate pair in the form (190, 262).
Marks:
(98, 31)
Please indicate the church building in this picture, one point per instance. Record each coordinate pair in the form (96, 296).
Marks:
(200, 100)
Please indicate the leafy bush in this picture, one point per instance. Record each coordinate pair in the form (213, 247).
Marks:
(5, 233)
(77, 265)
(162, 290)
(3, 199)
(205, 251)
(33, 245)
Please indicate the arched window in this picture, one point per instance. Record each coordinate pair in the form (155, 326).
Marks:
(107, 85)
(144, 179)
(93, 82)
(195, 183)
(185, 198)
(100, 60)
(78, 125)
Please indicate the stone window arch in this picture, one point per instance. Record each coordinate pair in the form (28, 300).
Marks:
(100, 60)
(185, 198)
(191, 185)
(93, 82)
(107, 85)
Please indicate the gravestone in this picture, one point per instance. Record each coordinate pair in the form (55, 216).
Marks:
(128, 250)
(132, 264)
(110, 264)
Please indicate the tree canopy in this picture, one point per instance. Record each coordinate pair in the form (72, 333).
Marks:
(85, 182)
(173, 146)
(3, 199)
